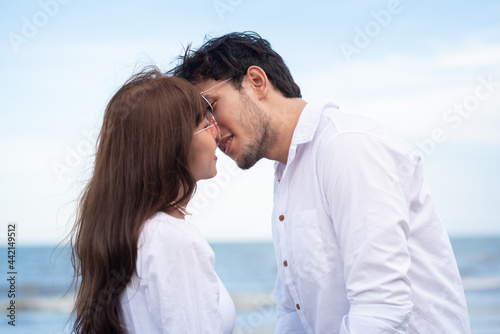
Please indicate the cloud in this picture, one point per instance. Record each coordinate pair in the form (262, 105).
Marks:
(488, 55)
(413, 94)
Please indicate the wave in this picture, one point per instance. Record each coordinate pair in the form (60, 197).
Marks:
(481, 283)
(55, 304)
(242, 301)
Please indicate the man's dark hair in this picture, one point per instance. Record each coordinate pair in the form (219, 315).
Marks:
(230, 56)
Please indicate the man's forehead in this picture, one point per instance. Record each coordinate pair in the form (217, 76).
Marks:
(204, 85)
(210, 85)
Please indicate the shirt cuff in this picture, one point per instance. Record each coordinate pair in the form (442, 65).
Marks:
(356, 324)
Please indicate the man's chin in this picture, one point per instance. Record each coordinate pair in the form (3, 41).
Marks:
(247, 162)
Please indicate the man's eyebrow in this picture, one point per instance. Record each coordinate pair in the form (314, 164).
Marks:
(217, 85)
(208, 96)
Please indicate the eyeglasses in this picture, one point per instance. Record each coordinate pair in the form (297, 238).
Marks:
(217, 85)
(209, 116)
(212, 123)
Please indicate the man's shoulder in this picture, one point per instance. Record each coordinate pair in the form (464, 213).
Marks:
(347, 122)
(344, 133)
(335, 124)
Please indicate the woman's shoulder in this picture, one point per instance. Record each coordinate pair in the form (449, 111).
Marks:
(166, 225)
(165, 231)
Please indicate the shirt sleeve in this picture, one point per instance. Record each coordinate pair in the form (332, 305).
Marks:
(180, 281)
(370, 214)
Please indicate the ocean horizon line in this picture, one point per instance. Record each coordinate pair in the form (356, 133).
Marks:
(3, 245)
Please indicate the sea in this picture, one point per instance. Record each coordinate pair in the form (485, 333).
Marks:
(43, 297)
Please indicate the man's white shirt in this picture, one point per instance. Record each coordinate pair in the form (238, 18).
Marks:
(359, 245)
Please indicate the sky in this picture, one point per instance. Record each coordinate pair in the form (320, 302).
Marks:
(429, 71)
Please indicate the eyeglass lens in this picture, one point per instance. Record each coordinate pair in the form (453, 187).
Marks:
(211, 119)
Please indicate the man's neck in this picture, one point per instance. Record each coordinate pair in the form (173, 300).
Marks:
(285, 121)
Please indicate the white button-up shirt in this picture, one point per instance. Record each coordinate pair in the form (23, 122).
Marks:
(176, 289)
(359, 245)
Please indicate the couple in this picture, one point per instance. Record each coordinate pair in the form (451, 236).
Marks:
(359, 246)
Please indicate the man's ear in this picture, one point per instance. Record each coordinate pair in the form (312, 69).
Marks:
(257, 80)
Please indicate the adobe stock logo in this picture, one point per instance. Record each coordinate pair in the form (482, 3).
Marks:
(76, 157)
(223, 6)
(30, 27)
(455, 116)
(372, 29)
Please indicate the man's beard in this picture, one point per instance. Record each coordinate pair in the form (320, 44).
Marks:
(263, 136)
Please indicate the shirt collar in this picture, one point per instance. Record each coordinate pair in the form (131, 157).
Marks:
(307, 125)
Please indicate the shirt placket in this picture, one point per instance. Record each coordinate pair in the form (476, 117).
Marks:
(280, 214)
(283, 221)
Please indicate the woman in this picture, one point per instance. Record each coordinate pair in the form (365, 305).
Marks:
(143, 267)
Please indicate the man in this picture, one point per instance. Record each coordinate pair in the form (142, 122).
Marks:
(359, 245)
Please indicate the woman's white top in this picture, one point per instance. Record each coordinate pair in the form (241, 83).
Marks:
(176, 289)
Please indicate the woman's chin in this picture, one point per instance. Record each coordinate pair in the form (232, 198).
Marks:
(213, 174)
(208, 176)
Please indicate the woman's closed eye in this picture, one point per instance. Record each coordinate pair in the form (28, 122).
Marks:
(206, 122)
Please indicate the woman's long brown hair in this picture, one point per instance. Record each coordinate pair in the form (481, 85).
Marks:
(141, 167)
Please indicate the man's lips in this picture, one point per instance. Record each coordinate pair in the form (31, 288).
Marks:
(225, 144)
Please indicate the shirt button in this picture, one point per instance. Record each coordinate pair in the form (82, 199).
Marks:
(285, 263)
(297, 306)
(281, 218)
